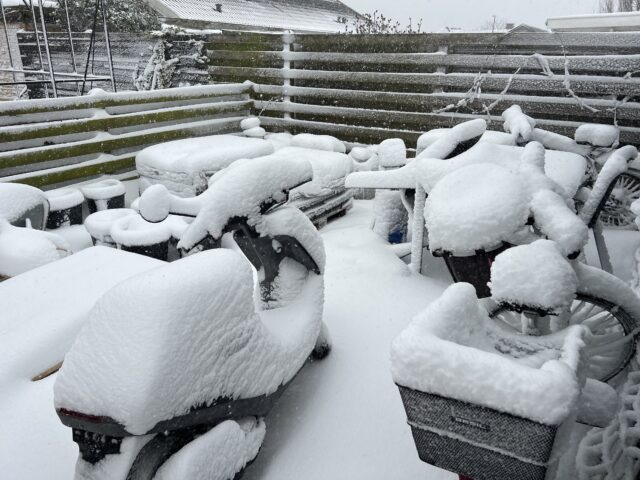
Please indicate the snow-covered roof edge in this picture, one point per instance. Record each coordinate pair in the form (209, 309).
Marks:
(596, 22)
(302, 16)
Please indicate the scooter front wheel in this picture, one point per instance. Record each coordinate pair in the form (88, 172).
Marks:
(612, 329)
(200, 453)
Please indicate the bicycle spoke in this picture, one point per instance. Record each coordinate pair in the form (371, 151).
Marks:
(600, 322)
(577, 317)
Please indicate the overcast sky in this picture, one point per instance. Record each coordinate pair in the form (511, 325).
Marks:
(471, 14)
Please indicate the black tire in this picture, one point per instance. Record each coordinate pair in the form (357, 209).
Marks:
(612, 348)
(616, 212)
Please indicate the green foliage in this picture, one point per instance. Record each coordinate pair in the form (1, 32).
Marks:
(122, 15)
(376, 22)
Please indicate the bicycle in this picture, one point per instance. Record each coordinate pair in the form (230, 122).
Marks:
(520, 215)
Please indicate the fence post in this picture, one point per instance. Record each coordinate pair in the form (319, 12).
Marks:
(287, 40)
(441, 49)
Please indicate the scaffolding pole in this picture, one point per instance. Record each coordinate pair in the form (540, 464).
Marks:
(60, 77)
(37, 35)
(46, 46)
(6, 36)
(73, 53)
(103, 3)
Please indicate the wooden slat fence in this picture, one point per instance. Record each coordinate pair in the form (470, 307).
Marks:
(56, 141)
(365, 88)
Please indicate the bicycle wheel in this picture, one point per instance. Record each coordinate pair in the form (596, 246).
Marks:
(612, 345)
(616, 212)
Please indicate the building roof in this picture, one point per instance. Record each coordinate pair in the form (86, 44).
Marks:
(603, 22)
(295, 15)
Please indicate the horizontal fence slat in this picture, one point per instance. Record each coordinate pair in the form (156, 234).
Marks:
(584, 84)
(425, 42)
(80, 171)
(609, 64)
(608, 110)
(108, 99)
(116, 142)
(412, 123)
(104, 124)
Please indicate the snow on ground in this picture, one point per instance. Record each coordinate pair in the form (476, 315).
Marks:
(341, 418)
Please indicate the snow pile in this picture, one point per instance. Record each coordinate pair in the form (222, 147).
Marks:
(532, 170)
(133, 230)
(390, 216)
(403, 177)
(241, 189)
(597, 135)
(155, 203)
(329, 170)
(557, 142)
(16, 199)
(40, 324)
(477, 207)
(536, 276)
(517, 123)
(99, 224)
(453, 349)
(196, 338)
(558, 222)
(498, 138)
(251, 128)
(392, 153)
(364, 159)
(103, 190)
(446, 144)
(64, 198)
(318, 142)
(203, 154)
(22, 249)
(615, 165)
(429, 138)
(218, 454)
(279, 140)
(489, 136)
(564, 168)
(249, 123)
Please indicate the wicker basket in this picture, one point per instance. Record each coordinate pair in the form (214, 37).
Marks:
(477, 442)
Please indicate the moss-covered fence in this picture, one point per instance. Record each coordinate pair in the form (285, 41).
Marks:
(55, 141)
(368, 87)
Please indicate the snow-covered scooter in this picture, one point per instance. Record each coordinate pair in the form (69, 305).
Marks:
(175, 368)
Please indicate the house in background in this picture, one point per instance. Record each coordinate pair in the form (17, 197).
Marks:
(602, 22)
(312, 16)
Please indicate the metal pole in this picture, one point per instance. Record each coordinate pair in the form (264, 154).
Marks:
(46, 47)
(106, 39)
(73, 53)
(417, 235)
(6, 35)
(91, 47)
(37, 34)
